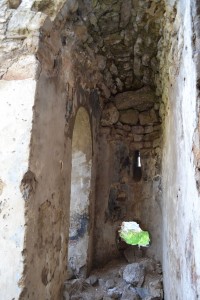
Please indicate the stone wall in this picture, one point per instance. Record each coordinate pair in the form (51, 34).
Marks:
(38, 90)
(131, 64)
(180, 195)
(130, 123)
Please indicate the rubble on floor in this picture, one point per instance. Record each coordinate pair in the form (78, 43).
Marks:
(140, 278)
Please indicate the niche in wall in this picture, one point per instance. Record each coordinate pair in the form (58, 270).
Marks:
(80, 194)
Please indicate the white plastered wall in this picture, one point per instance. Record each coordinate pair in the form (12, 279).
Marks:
(16, 100)
(181, 205)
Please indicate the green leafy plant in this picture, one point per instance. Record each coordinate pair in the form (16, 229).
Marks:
(132, 234)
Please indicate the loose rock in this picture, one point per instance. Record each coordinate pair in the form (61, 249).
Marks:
(133, 273)
(110, 283)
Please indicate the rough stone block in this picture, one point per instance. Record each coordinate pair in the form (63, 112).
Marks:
(113, 70)
(26, 67)
(92, 279)
(143, 293)
(104, 130)
(129, 116)
(133, 273)
(137, 129)
(157, 106)
(66, 295)
(151, 136)
(156, 143)
(138, 138)
(110, 283)
(80, 31)
(13, 4)
(147, 144)
(148, 129)
(110, 115)
(142, 99)
(136, 146)
(114, 293)
(146, 60)
(127, 128)
(129, 293)
(125, 13)
(121, 132)
(148, 117)
(153, 283)
(157, 128)
(101, 62)
(20, 21)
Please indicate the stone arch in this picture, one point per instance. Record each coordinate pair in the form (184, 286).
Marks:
(80, 193)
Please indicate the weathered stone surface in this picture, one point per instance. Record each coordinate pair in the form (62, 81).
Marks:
(127, 128)
(157, 128)
(129, 294)
(14, 3)
(101, 62)
(113, 70)
(148, 117)
(80, 31)
(20, 21)
(66, 295)
(125, 12)
(133, 273)
(110, 115)
(141, 100)
(147, 145)
(153, 283)
(156, 143)
(110, 283)
(92, 279)
(143, 293)
(138, 138)
(148, 129)
(26, 67)
(152, 136)
(137, 129)
(114, 293)
(146, 60)
(136, 145)
(129, 116)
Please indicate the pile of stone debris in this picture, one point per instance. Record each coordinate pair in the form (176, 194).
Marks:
(141, 278)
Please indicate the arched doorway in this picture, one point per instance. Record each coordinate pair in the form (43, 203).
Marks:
(80, 194)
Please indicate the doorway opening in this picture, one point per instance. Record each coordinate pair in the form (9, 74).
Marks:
(80, 194)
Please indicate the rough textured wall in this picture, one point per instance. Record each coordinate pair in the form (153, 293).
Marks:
(15, 127)
(17, 93)
(181, 204)
(47, 212)
(130, 123)
(121, 38)
(31, 56)
(82, 46)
